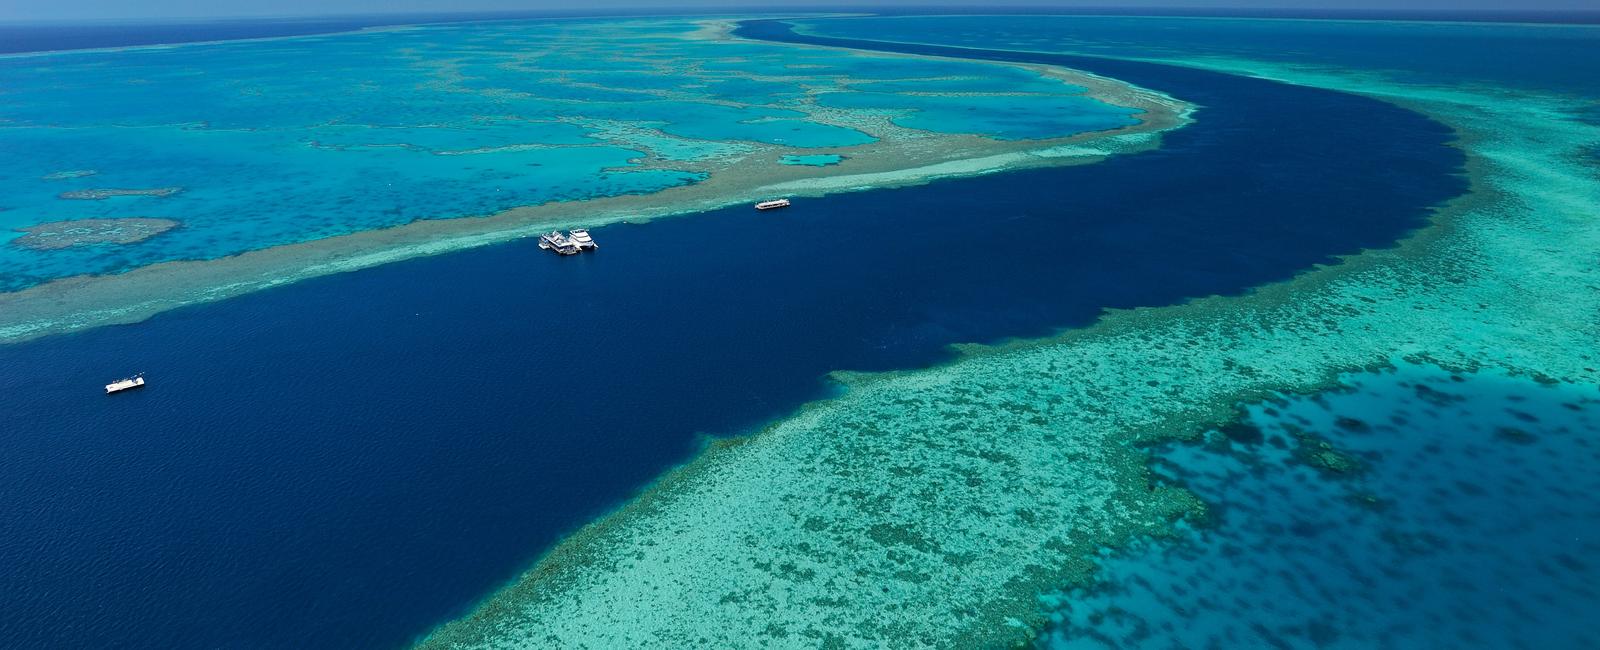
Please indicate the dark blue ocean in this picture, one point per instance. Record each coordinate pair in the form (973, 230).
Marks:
(347, 461)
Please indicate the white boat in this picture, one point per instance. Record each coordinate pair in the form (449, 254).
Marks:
(581, 238)
(119, 385)
(773, 204)
(555, 241)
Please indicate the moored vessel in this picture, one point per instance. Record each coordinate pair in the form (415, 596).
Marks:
(773, 204)
(136, 381)
(558, 243)
(580, 238)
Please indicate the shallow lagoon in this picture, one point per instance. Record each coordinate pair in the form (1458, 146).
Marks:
(812, 160)
(280, 141)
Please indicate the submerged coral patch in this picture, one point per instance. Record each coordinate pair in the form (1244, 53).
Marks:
(1445, 499)
(82, 232)
(109, 193)
(68, 175)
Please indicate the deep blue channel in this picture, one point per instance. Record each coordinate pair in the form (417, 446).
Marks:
(348, 461)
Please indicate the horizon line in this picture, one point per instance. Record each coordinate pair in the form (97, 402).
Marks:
(1176, 11)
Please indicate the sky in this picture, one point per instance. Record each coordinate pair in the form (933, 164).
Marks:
(52, 10)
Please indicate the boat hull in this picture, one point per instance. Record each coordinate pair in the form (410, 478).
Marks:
(126, 384)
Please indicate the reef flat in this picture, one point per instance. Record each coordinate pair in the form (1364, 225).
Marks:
(524, 126)
(884, 517)
(56, 235)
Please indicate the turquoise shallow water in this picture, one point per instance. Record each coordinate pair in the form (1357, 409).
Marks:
(1469, 521)
(280, 141)
(812, 160)
(1467, 518)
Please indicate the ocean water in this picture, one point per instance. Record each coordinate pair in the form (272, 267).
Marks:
(1460, 513)
(271, 142)
(1464, 518)
(1556, 58)
(347, 461)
